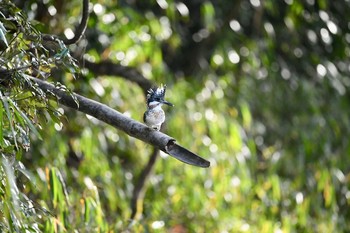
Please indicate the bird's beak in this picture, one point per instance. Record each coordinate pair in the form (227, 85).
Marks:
(167, 103)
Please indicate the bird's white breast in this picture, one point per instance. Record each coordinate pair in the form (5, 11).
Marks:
(155, 116)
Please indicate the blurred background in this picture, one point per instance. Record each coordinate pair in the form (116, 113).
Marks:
(261, 90)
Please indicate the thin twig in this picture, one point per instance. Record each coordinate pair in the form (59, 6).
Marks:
(82, 26)
(140, 186)
(113, 69)
(79, 31)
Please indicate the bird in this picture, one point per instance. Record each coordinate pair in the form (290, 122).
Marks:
(154, 116)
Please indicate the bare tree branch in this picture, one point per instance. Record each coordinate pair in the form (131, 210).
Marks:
(113, 69)
(139, 189)
(133, 128)
(79, 31)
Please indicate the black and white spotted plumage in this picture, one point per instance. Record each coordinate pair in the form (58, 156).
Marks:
(154, 115)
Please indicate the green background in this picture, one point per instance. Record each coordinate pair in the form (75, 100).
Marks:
(261, 90)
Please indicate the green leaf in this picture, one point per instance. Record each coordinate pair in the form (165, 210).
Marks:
(1, 126)
(87, 209)
(54, 186)
(3, 41)
(246, 115)
(18, 117)
(235, 140)
(276, 187)
(24, 117)
(9, 117)
(7, 149)
(208, 12)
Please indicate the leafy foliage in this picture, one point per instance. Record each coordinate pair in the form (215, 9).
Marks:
(260, 88)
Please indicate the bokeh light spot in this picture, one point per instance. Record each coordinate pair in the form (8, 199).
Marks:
(234, 25)
(182, 8)
(321, 70)
(233, 56)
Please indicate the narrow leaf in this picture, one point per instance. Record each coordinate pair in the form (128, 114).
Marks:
(3, 41)
(28, 122)
(1, 126)
(9, 117)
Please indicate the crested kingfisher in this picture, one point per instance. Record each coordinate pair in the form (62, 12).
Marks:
(154, 115)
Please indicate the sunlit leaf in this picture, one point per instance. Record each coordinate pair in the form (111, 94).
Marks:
(3, 41)
(208, 12)
(54, 187)
(235, 139)
(247, 117)
(276, 189)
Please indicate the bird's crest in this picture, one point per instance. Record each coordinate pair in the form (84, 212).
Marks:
(156, 93)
